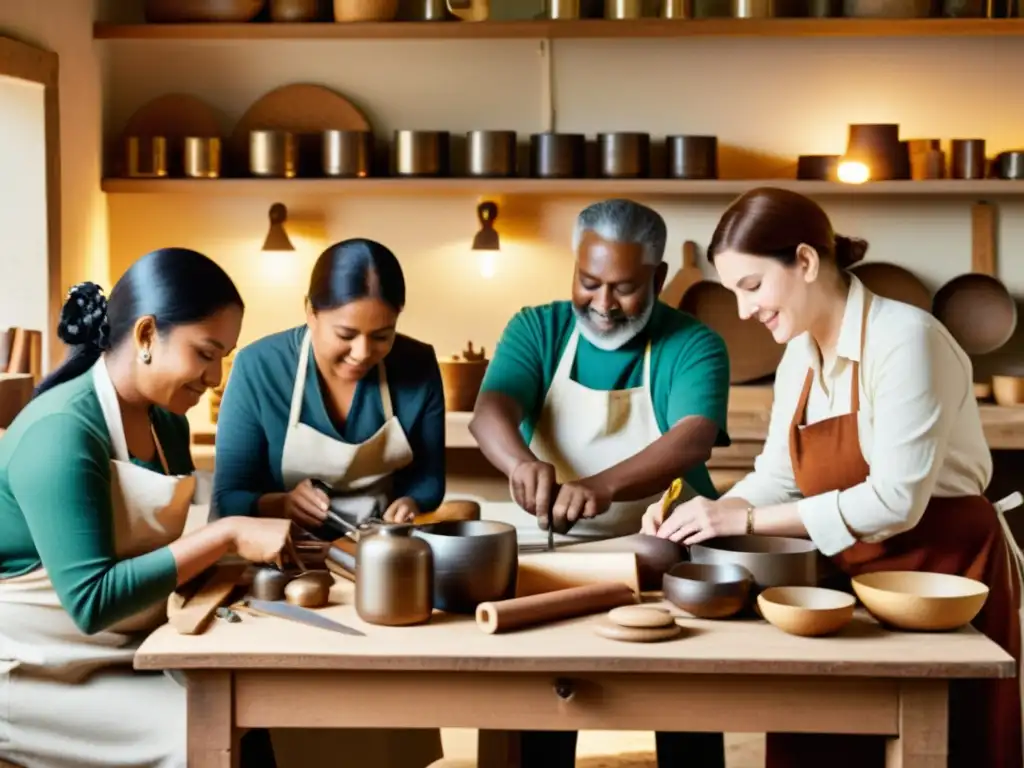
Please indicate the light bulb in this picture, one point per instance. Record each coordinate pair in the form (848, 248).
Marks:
(488, 262)
(853, 172)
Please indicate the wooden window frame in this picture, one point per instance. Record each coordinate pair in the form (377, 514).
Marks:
(22, 61)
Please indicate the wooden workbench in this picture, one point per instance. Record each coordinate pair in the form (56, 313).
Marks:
(736, 676)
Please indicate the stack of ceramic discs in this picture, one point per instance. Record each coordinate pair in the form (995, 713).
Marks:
(639, 624)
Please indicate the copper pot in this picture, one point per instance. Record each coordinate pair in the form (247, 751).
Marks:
(967, 159)
(691, 157)
(817, 167)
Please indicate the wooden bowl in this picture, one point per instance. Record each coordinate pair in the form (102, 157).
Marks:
(708, 591)
(201, 11)
(920, 600)
(806, 611)
(365, 10)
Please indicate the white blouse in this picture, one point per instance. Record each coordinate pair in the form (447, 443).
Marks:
(920, 427)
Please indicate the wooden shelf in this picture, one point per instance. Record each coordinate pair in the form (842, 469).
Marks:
(556, 187)
(567, 30)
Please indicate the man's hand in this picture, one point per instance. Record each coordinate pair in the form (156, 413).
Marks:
(533, 487)
(577, 500)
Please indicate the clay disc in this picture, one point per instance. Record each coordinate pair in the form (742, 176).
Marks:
(640, 617)
(637, 634)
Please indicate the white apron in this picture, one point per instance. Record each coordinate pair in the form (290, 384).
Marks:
(583, 431)
(364, 470)
(70, 700)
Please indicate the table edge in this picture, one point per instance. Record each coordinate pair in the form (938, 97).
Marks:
(1005, 668)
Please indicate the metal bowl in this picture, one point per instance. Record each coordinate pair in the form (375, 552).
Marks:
(773, 561)
(475, 561)
(708, 591)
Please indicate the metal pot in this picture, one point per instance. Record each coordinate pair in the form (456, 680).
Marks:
(967, 159)
(396, 577)
(202, 157)
(146, 157)
(491, 154)
(1009, 165)
(273, 154)
(623, 9)
(817, 167)
(691, 157)
(624, 155)
(475, 561)
(889, 9)
(558, 155)
(421, 153)
(773, 561)
(347, 154)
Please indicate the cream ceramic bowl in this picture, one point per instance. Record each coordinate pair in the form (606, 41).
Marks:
(920, 600)
(806, 611)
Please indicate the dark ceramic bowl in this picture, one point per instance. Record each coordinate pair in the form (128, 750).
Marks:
(708, 591)
(773, 561)
(475, 561)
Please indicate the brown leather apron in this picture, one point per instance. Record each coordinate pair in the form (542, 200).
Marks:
(961, 536)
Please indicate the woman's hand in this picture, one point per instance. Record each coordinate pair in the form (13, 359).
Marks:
(652, 519)
(403, 510)
(701, 519)
(306, 505)
(260, 539)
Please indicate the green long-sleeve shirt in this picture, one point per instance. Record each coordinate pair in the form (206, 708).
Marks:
(56, 511)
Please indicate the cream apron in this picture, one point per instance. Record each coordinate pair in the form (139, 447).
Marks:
(70, 700)
(365, 470)
(583, 431)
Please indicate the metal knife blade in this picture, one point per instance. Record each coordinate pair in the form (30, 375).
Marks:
(302, 615)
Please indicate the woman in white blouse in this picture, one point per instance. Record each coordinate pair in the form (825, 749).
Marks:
(875, 451)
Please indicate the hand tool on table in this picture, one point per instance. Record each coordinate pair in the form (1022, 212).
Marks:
(291, 612)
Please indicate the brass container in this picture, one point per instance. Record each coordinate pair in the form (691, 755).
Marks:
(967, 159)
(273, 154)
(146, 157)
(421, 153)
(202, 157)
(562, 9)
(691, 157)
(348, 154)
(623, 9)
(491, 154)
(395, 586)
(461, 376)
(677, 9)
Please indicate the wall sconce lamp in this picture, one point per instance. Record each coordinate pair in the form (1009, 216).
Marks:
(277, 237)
(487, 242)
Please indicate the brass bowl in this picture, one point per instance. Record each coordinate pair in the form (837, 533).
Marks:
(708, 591)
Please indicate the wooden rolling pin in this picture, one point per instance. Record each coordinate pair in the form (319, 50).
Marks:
(519, 612)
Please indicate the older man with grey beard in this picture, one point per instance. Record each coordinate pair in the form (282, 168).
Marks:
(592, 407)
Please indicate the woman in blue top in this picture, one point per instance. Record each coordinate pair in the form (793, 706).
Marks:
(343, 399)
(347, 401)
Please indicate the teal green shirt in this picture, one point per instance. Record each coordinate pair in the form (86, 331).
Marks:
(56, 511)
(253, 419)
(689, 368)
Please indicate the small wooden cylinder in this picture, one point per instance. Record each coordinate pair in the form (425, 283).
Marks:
(519, 612)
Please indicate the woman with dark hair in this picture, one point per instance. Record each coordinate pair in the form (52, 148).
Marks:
(96, 484)
(875, 452)
(347, 401)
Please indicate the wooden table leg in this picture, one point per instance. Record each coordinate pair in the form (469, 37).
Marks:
(212, 741)
(497, 749)
(923, 740)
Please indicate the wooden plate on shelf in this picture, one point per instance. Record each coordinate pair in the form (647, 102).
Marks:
(302, 108)
(891, 281)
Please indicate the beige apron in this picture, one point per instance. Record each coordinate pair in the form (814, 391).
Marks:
(70, 700)
(364, 469)
(583, 431)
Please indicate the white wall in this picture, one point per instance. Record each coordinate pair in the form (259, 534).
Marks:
(23, 211)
